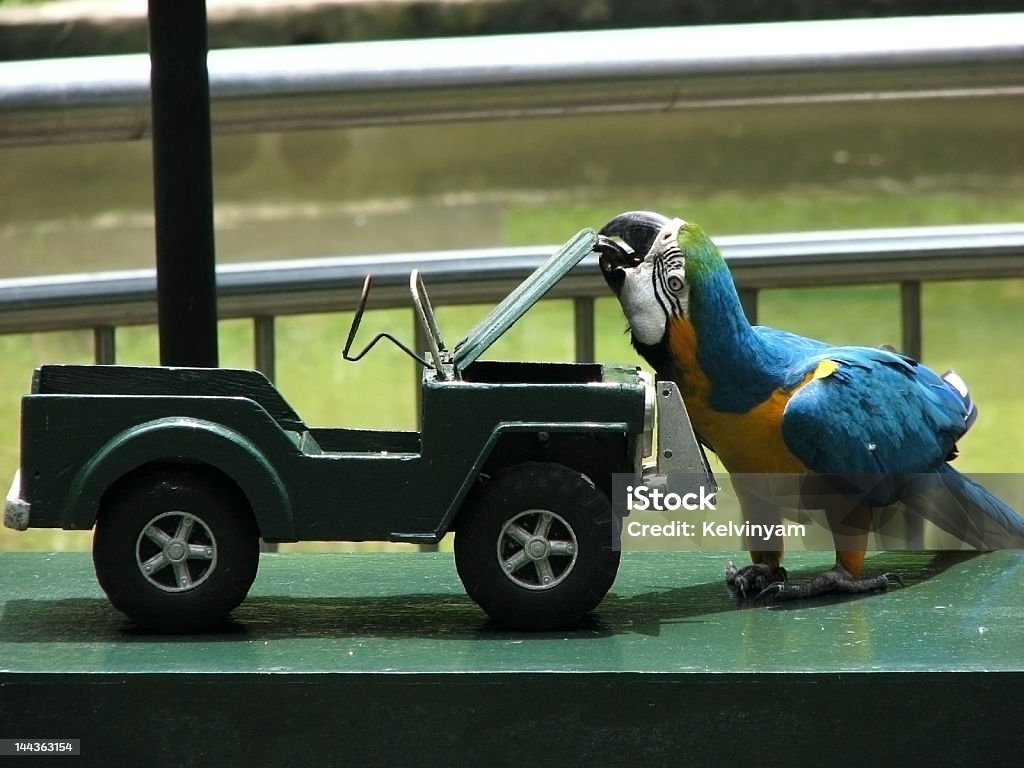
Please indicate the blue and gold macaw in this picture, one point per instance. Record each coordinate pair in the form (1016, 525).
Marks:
(861, 427)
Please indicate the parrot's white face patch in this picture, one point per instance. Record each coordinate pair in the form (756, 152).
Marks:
(647, 320)
(656, 288)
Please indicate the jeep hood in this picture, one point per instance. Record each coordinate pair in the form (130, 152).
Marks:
(528, 293)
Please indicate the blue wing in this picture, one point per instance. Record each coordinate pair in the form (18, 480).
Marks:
(887, 426)
(877, 412)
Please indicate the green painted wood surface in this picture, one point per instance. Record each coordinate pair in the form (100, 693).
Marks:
(666, 613)
(382, 660)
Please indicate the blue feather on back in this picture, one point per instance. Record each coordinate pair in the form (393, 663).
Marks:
(878, 412)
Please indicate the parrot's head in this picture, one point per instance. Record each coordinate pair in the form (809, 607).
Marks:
(672, 283)
(648, 274)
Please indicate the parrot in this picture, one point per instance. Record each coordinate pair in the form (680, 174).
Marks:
(862, 428)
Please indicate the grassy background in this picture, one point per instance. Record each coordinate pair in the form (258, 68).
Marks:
(972, 326)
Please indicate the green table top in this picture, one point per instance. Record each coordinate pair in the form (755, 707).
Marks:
(407, 613)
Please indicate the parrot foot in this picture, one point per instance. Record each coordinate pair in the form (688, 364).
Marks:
(836, 581)
(753, 581)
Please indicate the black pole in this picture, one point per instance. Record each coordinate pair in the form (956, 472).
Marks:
(183, 183)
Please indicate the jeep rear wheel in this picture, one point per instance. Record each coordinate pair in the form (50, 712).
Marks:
(176, 549)
(536, 546)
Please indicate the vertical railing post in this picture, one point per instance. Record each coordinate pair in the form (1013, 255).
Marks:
(104, 344)
(910, 319)
(264, 345)
(583, 329)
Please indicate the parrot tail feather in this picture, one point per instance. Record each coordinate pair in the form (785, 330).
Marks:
(965, 509)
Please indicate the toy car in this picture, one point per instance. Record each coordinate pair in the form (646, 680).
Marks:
(181, 471)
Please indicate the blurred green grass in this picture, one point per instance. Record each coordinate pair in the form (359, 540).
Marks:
(972, 326)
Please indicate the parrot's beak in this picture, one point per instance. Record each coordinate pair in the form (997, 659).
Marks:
(637, 229)
(614, 260)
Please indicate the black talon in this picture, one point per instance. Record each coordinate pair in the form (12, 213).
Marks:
(751, 583)
(775, 589)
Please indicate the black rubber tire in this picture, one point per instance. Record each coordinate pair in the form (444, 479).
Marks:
(574, 507)
(170, 494)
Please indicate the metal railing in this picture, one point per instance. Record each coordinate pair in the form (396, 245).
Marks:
(107, 98)
(908, 257)
(375, 83)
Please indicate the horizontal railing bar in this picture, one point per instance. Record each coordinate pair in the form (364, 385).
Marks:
(389, 82)
(307, 286)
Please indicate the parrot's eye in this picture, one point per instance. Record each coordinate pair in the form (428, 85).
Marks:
(675, 283)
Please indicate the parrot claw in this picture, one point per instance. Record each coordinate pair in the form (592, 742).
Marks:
(753, 582)
(835, 581)
(892, 578)
(772, 590)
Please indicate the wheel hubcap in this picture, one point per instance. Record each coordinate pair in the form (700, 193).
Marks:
(176, 552)
(537, 549)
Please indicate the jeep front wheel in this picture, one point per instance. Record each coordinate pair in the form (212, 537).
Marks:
(536, 546)
(175, 549)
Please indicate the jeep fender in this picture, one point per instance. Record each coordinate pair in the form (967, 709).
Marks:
(505, 428)
(188, 440)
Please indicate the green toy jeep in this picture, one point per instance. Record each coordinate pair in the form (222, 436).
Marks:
(181, 471)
